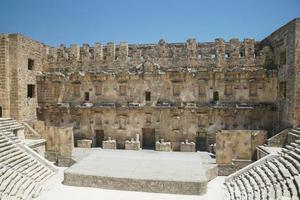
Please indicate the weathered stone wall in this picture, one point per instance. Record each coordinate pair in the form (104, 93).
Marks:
(4, 76)
(181, 90)
(246, 86)
(15, 75)
(59, 142)
(279, 140)
(172, 124)
(238, 145)
(166, 55)
(180, 107)
(284, 44)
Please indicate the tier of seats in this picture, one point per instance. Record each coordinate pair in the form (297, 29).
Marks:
(21, 173)
(277, 178)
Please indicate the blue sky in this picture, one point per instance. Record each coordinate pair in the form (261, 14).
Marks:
(144, 21)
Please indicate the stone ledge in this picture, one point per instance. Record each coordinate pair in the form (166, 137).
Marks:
(156, 186)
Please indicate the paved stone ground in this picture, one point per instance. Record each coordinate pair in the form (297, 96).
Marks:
(54, 189)
(144, 164)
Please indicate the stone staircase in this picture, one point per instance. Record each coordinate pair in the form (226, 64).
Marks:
(22, 171)
(276, 178)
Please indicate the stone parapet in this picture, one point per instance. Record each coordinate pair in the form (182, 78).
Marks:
(163, 146)
(132, 145)
(187, 146)
(109, 144)
(84, 143)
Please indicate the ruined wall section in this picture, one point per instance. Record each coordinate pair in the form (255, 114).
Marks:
(282, 55)
(171, 124)
(192, 54)
(297, 74)
(25, 62)
(4, 77)
(234, 86)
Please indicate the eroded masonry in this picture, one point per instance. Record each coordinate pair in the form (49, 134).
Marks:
(225, 97)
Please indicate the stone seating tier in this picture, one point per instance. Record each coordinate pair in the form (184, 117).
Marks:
(21, 174)
(277, 178)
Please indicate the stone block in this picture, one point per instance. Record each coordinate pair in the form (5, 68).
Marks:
(109, 144)
(163, 146)
(187, 146)
(132, 145)
(84, 143)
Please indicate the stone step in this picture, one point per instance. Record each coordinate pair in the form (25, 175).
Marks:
(282, 169)
(295, 131)
(8, 179)
(29, 190)
(249, 189)
(19, 163)
(31, 168)
(2, 119)
(292, 187)
(12, 182)
(243, 192)
(261, 184)
(295, 145)
(26, 165)
(288, 165)
(3, 139)
(8, 150)
(272, 178)
(4, 144)
(294, 155)
(230, 189)
(253, 184)
(17, 186)
(292, 160)
(237, 192)
(11, 158)
(11, 127)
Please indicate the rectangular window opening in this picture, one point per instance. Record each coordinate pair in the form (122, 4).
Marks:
(216, 96)
(148, 96)
(30, 91)
(86, 96)
(30, 64)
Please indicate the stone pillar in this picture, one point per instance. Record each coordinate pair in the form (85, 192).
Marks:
(234, 59)
(220, 52)
(123, 53)
(162, 52)
(74, 52)
(249, 52)
(85, 53)
(191, 45)
(98, 51)
(110, 52)
(62, 55)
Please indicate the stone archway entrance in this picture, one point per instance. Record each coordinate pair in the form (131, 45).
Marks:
(148, 138)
